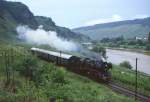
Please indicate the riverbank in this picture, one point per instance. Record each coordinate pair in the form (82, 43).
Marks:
(130, 50)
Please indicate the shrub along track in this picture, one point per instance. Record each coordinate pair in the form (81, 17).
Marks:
(120, 89)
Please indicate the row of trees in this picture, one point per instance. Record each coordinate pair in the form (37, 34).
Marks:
(132, 42)
(121, 38)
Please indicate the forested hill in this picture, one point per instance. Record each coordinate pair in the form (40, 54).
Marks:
(13, 14)
(127, 28)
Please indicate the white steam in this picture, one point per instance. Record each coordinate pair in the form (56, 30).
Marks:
(42, 37)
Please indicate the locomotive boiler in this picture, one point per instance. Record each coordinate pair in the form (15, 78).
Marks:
(98, 70)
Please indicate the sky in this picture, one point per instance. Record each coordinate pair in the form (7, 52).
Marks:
(77, 13)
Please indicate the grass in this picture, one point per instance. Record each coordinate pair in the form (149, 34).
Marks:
(50, 82)
(126, 77)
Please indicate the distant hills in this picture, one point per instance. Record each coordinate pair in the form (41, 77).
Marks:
(127, 28)
(13, 14)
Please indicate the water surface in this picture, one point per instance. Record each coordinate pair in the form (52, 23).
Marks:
(117, 56)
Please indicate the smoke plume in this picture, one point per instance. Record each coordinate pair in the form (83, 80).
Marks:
(42, 37)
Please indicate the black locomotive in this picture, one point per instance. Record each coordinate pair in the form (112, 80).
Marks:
(97, 70)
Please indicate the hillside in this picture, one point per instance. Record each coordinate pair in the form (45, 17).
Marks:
(43, 81)
(66, 33)
(13, 14)
(128, 28)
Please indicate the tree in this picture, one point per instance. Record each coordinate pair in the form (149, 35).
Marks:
(117, 39)
(147, 47)
(101, 50)
(140, 42)
(105, 40)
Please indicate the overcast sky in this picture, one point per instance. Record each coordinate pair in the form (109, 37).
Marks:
(75, 13)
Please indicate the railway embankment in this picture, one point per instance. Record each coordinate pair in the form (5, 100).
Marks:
(126, 78)
(24, 77)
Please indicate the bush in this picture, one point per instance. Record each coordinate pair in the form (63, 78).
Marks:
(51, 73)
(58, 76)
(126, 64)
(101, 50)
(28, 67)
(147, 47)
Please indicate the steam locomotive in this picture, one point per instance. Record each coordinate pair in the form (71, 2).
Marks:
(97, 70)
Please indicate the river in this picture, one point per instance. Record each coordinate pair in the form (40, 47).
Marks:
(118, 56)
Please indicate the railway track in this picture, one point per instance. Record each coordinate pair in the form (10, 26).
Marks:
(122, 90)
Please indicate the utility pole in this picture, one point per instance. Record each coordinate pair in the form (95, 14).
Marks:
(149, 38)
(60, 57)
(136, 80)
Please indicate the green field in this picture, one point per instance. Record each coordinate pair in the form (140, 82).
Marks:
(126, 77)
